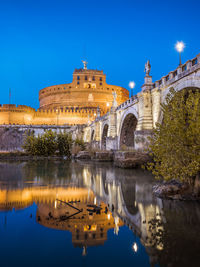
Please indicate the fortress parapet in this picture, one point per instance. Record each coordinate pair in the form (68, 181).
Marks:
(25, 115)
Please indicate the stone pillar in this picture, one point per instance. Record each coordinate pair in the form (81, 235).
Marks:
(145, 120)
(179, 70)
(189, 65)
(156, 99)
(97, 134)
(111, 140)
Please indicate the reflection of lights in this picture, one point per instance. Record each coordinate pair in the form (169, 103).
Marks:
(95, 201)
(55, 204)
(135, 247)
(108, 216)
(95, 114)
(84, 252)
(116, 229)
(180, 46)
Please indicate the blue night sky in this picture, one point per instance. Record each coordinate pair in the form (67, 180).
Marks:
(42, 42)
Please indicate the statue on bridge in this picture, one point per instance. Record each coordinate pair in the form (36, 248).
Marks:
(114, 104)
(147, 68)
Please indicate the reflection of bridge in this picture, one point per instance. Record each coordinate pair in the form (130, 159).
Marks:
(133, 202)
(130, 123)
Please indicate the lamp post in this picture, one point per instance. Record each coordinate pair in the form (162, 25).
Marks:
(131, 86)
(179, 47)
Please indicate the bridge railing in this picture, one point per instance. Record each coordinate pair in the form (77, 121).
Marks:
(181, 71)
(132, 100)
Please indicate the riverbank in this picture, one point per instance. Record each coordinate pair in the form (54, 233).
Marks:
(121, 159)
(175, 190)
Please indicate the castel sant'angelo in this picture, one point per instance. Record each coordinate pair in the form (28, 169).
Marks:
(68, 104)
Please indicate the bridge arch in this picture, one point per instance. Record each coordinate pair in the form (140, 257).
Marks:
(104, 135)
(127, 128)
(185, 84)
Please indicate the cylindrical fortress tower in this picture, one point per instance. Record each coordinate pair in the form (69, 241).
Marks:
(88, 90)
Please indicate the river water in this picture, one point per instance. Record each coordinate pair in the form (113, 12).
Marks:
(54, 213)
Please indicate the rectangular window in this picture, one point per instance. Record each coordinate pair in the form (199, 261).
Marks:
(93, 78)
(78, 82)
(100, 79)
(85, 78)
(78, 77)
(100, 83)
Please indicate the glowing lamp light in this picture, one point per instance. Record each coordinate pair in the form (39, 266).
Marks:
(180, 46)
(108, 216)
(131, 84)
(135, 247)
(107, 104)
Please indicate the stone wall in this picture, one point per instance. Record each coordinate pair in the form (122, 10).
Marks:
(12, 136)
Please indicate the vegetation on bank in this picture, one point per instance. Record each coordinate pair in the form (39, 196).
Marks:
(51, 143)
(175, 145)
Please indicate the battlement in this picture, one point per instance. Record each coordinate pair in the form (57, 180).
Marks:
(87, 71)
(13, 107)
(181, 71)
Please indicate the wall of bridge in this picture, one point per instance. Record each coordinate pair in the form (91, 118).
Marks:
(145, 108)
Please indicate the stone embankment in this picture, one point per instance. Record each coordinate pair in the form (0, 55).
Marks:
(131, 159)
(95, 156)
(121, 159)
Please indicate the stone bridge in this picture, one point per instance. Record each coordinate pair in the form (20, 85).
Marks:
(132, 122)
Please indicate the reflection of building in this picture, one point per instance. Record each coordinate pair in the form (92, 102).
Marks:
(87, 222)
(88, 228)
(70, 103)
(22, 198)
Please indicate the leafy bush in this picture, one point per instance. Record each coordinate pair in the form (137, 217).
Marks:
(64, 144)
(43, 145)
(80, 143)
(50, 142)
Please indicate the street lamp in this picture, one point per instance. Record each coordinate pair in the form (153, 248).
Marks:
(131, 86)
(179, 47)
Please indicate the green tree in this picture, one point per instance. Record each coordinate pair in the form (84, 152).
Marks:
(64, 144)
(41, 145)
(175, 145)
(79, 142)
(30, 143)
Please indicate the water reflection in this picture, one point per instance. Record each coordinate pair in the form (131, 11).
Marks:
(90, 199)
